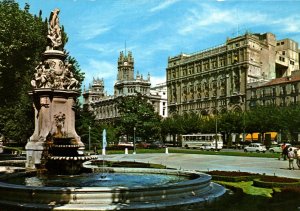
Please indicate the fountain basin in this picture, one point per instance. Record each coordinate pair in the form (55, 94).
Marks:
(198, 188)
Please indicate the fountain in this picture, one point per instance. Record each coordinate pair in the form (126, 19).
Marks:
(53, 179)
(55, 144)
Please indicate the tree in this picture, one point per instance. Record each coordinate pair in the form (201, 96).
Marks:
(173, 126)
(136, 112)
(22, 41)
(231, 122)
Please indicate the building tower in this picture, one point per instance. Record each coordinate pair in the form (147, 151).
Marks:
(95, 91)
(126, 83)
(125, 67)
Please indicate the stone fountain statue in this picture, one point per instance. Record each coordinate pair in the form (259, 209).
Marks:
(54, 94)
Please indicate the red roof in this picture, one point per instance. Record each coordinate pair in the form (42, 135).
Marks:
(283, 80)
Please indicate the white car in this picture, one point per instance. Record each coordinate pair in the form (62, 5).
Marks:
(255, 147)
(210, 146)
(278, 149)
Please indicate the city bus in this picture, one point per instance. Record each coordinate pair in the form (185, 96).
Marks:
(203, 141)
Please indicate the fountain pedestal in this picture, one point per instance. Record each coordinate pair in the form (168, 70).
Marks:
(54, 117)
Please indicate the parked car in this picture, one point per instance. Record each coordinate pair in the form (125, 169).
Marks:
(277, 148)
(207, 146)
(255, 147)
(157, 145)
(143, 145)
(123, 145)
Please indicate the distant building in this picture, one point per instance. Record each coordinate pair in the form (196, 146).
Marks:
(161, 90)
(105, 106)
(279, 91)
(217, 80)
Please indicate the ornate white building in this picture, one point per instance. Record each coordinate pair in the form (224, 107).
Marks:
(161, 90)
(105, 106)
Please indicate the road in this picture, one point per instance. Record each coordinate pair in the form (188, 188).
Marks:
(200, 162)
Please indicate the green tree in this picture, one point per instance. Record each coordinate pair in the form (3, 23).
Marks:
(22, 41)
(136, 112)
(173, 126)
(85, 120)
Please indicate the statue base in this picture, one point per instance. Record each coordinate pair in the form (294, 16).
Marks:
(54, 116)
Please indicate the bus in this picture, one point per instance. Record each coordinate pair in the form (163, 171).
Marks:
(203, 141)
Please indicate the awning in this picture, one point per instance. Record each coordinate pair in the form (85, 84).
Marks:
(253, 137)
(273, 135)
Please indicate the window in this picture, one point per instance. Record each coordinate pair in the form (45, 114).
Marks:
(274, 91)
(282, 43)
(292, 62)
(283, 52)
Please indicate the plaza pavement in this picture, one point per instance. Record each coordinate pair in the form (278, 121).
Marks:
(198, 162)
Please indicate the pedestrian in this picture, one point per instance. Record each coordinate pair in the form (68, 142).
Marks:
(282, 148)
(297, 154)
(285, 152)
(291, 156)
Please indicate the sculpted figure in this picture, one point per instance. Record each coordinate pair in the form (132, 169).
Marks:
(59, 131)
(54, 31)
(39, 80)
(70, 81)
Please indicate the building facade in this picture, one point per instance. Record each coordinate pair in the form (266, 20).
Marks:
(280, 91)
(217, 80)
(127, 84)
(162, 107)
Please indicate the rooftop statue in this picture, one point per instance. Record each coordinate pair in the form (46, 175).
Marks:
(54, 31)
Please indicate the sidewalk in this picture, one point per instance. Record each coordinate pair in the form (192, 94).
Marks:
(268, 166)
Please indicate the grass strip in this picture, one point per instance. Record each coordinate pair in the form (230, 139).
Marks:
(248, 188)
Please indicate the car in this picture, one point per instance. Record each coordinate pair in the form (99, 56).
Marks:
(123, 145)
(207, 146)
(157, 145)
(278, 149)
(255, 147)
(143, 145)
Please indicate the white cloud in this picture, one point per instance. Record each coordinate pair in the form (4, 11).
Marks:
(288, 24)
(92, 30)
(207, 18)
(106, 48)
(99, 69)
(157, 80)
(151, 27)
(163, 5)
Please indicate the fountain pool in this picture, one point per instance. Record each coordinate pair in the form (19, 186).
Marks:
(151, 189)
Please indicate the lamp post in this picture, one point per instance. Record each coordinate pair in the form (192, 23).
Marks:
(216, 138)
(134, 152)
(89, 139)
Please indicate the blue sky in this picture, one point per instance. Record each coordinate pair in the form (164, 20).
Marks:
(156, 29)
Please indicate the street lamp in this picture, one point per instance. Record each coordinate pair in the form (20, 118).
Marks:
(216, 138)
(89, 139)
(134, 152)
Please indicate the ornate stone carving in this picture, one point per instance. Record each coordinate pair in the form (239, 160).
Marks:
(59, 131)
(51, 75)
(54, 31)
